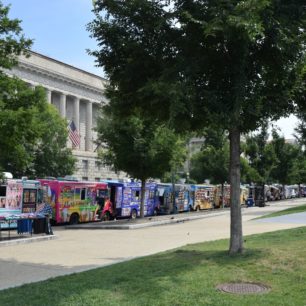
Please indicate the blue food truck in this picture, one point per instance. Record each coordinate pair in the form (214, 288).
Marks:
(165, 198)
(126, 199)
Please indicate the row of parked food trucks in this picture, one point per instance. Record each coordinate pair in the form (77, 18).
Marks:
(78, 201)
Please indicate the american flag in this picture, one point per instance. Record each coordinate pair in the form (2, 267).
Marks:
(73, 134)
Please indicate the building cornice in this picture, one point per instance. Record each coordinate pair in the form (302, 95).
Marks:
(60, 77)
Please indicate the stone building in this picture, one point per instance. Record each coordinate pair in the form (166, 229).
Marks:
(77, 95)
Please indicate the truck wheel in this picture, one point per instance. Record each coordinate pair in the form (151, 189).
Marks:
(134, 214)
(74, 219)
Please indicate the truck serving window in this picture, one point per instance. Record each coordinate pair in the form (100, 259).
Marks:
(83, 193)
(2, 191)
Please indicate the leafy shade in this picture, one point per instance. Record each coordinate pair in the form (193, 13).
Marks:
(32, 135)
(12, 40)
(212, 162)
(51, 156)
(261, 155)
(286, 170)
(138, 147)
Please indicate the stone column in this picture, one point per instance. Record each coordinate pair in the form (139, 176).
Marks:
(49, 95)
(76, 113)
(88, 140)
(63, 105)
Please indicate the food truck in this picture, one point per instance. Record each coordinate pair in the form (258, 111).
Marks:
(202, 197)
(17, 196)
(218, 203)
(165, 198)
(73, 201)
(126, 199)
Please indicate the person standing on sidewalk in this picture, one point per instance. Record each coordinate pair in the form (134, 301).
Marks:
(107, 212)
(46, 210)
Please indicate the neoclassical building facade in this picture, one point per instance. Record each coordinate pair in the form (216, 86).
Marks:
(77, 95)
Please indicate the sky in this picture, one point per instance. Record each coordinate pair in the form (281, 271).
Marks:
(58, 28)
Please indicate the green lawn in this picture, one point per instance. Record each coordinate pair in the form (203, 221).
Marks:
(292, 210)
(185, 276)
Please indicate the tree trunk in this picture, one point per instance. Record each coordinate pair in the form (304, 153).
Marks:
(236, 238)
(172, 202)
(142, 197)
(222, 195)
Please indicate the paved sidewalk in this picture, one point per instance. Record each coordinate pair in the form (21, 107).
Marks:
(126, 224)
(83, 249)
(298, 218)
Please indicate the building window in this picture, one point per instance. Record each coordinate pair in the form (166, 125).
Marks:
(97, 165)
(97, 179)
(84, 178)
(85, 165)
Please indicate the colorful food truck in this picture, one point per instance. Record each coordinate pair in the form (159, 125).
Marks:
(218, 201)
(244, 194)
(18, 196)
(202, 197)
(165, 198)
(126, 200)
(73, 201)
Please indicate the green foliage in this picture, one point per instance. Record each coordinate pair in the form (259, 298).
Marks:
(138, 56)
(12, 40)
(261, 155)
(140, 147)
(51, 155)
(239, 59)
(286, 169)
(233, 64)
(248, 173)
(32, 135)
(212, 162)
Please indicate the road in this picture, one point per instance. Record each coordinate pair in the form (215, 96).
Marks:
(76, 250)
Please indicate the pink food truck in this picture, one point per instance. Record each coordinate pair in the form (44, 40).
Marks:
(73, 201)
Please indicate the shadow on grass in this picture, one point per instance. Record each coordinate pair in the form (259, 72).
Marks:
(145, 279)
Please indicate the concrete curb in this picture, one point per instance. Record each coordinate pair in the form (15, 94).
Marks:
(26, 240)
(146, 223)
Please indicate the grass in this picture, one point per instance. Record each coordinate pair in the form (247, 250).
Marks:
(292, 210)
(185, 276)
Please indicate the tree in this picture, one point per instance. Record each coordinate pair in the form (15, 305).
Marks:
(212, 162)
(51, 155)
(300, 135)
(227, 63)
(12, 40)
(32, 136)
(285, 171)
(260, 154)
(141, 148)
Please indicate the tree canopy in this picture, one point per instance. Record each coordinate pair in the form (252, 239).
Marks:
(140, 147)
(198, 63)
(33, 137)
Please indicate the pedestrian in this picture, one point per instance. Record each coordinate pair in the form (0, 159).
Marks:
(99, 208)
(107, 211)
(46, 210)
